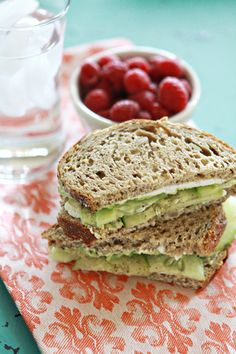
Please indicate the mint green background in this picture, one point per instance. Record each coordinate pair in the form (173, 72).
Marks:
(201, 32)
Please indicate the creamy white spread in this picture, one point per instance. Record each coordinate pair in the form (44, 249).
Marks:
(72, 210)
(172, 189)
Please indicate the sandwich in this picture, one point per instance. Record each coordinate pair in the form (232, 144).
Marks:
(146, 198)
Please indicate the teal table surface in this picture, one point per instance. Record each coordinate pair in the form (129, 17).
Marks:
(201, 32)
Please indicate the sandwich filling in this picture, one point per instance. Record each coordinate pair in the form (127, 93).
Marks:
(133, 212)
(189, 266)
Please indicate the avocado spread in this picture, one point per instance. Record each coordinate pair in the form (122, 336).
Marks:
(140, 210)
(190, 266)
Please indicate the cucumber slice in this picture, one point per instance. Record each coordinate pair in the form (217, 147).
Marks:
(228, 236)
(190, 266)
(140, 218)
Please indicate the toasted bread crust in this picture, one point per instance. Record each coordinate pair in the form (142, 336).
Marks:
(233, 190)
(96, 171)
(74, 230)
(208, 243)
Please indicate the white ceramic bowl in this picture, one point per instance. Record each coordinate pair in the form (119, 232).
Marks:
(94, 121)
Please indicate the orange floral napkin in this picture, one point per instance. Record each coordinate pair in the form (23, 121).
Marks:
(77, 312)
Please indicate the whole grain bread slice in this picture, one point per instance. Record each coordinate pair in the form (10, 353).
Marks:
(193, 232)
(139, 156)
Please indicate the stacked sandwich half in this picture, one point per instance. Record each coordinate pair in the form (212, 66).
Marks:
(148, 199)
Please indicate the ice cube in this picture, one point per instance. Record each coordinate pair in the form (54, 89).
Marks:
(27, 21)
(13, 99)
(49, 96)
(27, 42)
(14, 44)
(41, 70)
(28, 74)
(40, 82)
(37, 39)
(11, 11)
(8, 67)
(54, 56)
(40, 39)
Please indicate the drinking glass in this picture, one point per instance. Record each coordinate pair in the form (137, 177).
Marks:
(31, 47)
